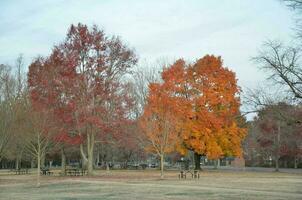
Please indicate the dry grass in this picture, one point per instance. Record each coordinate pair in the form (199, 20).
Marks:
(147, 185)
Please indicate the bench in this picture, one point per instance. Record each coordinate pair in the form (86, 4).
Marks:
(75, 172)
(20, 171)
(46, 171)
(196, 174)
(183, 174)
(49, 173)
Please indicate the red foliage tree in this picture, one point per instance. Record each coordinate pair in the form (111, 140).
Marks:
(280, 131)
(81, 80)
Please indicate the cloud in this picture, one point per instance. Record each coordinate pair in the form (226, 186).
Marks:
(171, 28)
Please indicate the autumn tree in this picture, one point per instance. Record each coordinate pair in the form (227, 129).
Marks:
(278, 132)
(209, 98)
(128, 146)
(81, 80)
(251, 147)
(203, 100)
(295, 139)
(159, 123)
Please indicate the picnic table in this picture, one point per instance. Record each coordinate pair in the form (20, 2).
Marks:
(75, 172)
(20, 171)
(183, 174)
(46, 171)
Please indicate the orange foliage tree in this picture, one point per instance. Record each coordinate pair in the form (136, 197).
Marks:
(212, 128)
(159, 123)
(206, 96)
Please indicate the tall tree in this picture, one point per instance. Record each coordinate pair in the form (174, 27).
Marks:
(39, 133)
(12, 94)
(279, 134)
(159, 123)
(209, 98)
(143, 75)
(81, 80)
(6, 114)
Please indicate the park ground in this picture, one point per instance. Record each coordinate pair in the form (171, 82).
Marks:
(126, 185)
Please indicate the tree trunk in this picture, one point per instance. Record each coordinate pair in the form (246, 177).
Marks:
(63, 161)
(90, 164)
(296, 162)
(277, 164)
(83, 156)
(17, 163)
(38, 170)
(42, 160)
(107, 167)
(277, 150)
(97, 160)
(32, 163)
(90, 146)
(162, 166)
(217, 163)
(197, 161)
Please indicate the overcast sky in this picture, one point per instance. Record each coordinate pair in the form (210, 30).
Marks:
(171, 29)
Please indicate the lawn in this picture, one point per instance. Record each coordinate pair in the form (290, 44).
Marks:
(147, 185)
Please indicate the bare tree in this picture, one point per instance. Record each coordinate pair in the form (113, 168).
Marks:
(18, 102)
(5, 122)
(6, 112)
(12, 91)
(39, 135)
(294, 4)
(283, 65)
(143, 75)
(283, 61)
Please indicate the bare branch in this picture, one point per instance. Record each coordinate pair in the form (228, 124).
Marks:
(283, 64)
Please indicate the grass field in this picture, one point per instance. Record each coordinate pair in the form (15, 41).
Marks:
(147, 185)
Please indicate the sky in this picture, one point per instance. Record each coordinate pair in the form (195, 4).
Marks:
(156, 29)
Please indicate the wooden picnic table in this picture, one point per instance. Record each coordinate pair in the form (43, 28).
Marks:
(46, 171)
(193, 173)
(75, 172)
(20, 171)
